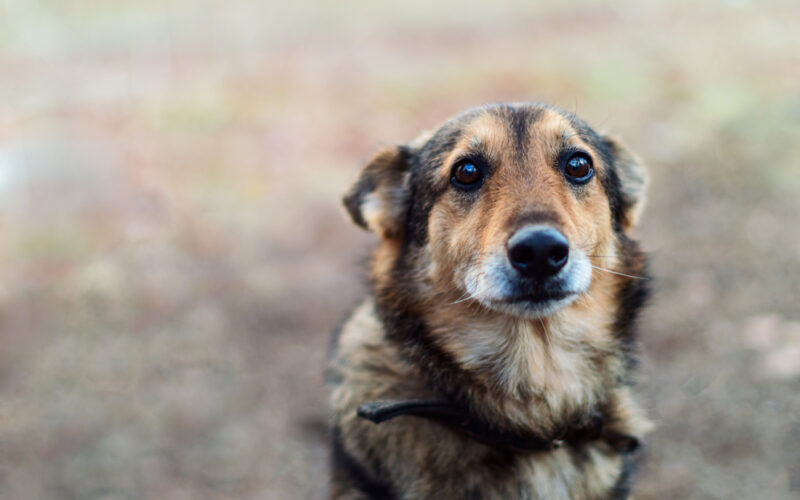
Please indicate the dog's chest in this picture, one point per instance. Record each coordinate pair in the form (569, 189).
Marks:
(561, 372)
(590, 471)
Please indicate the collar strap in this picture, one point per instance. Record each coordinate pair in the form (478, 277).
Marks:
(460, 419)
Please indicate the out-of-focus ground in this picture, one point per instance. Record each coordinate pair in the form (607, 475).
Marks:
(173, 255)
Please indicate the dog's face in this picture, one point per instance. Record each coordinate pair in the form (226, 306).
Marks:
(512, 206)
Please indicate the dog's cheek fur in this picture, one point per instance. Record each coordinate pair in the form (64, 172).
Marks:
(454, 246)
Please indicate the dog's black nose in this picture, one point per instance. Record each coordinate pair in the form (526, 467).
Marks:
(538, 252)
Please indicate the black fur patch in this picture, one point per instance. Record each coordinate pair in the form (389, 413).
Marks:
(405, 327)
(519, 120)
(632, 296)
(347, 470)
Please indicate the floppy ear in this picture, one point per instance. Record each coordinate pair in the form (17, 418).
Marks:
(633, 181)
(379, 198)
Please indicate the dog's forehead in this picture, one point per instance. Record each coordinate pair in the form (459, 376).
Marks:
(513, 132)
(500, 130)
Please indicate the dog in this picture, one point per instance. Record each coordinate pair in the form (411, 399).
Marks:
(493, 357)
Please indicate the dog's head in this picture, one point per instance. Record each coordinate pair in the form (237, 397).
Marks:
(512, 206)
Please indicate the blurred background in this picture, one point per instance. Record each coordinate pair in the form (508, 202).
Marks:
(173, 254)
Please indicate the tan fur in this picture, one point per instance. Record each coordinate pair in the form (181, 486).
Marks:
(529, 374)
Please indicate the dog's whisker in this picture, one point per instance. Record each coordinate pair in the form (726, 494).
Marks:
(461, 300)
(467, 296)
(545, 330)
(620, 274)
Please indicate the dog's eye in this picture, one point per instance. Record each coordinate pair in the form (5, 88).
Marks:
(466, 175)
(578, 168)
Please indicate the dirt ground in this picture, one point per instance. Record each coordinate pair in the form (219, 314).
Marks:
(173, 254)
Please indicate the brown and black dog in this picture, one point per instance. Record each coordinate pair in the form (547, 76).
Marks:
(493, 357)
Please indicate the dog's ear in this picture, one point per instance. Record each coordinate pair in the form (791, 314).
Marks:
(379, 198)
(633, 181)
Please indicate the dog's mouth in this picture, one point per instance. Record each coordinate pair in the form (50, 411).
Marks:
(538, 297)
(532, 304)
(500, 288)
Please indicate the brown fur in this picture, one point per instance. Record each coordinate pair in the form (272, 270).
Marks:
(426, 333)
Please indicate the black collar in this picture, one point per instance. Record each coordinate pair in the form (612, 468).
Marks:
(460, 419)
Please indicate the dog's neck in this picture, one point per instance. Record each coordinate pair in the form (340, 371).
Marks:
(539, 372)
(532, 374)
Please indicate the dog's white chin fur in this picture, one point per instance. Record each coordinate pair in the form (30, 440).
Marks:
(492, 287)
(531, 310)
